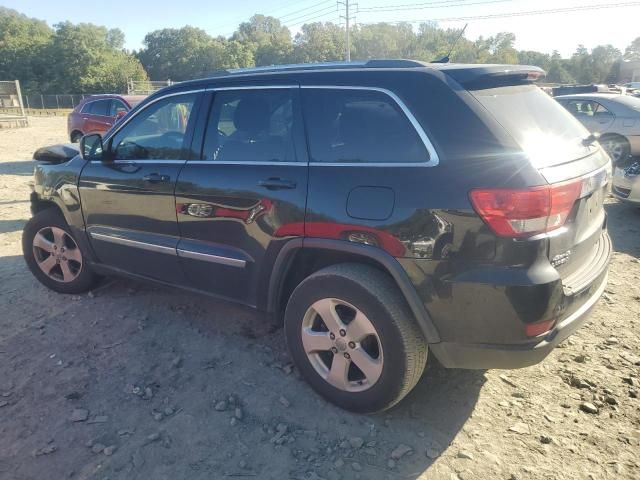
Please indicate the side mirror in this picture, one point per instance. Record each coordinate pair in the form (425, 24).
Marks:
(91, 147)
(120, 114)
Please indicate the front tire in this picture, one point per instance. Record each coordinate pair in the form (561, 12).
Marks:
(75, 137)
(53, 255)
(354, 339)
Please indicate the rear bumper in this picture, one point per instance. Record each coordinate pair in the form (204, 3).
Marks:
(578, 305)
(634, 143)
(484, 356)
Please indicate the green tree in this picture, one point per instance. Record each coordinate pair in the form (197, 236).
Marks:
(632, 52)
(82, 58)
(529, 57)
(23, 42)
(268, 40)
(603, 59)
(383, 40)
(497, 49)
(557, 72)
(319, 42)
(180, 53)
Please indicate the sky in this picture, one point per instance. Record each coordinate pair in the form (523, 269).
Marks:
(561, 31)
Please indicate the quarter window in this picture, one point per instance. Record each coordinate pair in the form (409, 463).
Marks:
(251, 126)
(157, 132)
(356, 126)
(116, 107)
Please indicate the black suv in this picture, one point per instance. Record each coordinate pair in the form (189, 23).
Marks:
(385, 208)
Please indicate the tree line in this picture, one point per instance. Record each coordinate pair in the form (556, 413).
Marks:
(87, 58)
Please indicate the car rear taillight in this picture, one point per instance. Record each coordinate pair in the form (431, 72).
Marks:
(526, 212)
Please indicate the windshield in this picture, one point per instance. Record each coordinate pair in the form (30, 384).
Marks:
(546, 132)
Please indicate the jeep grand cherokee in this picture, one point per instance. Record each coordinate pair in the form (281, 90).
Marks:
(385, 208)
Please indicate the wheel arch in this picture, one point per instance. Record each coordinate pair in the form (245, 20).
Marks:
(299, 258)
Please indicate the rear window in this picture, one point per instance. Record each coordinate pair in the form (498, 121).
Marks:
(546, 132)
(628, 101)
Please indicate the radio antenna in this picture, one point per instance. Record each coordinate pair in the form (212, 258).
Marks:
(445, 59)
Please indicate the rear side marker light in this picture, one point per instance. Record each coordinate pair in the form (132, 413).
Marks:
(526, 212)
(538, 328)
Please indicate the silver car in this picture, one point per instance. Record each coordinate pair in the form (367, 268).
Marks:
(626, 183)
(615, 117)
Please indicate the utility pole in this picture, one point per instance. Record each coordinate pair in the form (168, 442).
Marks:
(348, 53)
(347, 18)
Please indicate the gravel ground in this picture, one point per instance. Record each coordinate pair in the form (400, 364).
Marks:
(134, 381)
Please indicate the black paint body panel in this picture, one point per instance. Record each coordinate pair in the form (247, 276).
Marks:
(471, 291)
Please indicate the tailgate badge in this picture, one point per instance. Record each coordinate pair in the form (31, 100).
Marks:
(561, 258)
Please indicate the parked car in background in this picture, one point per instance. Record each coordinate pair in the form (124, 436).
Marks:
(373, 205)
(615, 117)
(626, 183)
(98, 113)
(576, 89)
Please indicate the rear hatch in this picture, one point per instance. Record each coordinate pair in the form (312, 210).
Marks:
(573, 164)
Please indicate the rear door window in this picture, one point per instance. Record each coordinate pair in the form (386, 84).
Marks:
(547, 133)
(359, 126)
(251, 126)
(100, 107)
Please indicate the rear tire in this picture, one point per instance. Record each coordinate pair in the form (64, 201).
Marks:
(76, 136)
(53, 254)
(369, 325)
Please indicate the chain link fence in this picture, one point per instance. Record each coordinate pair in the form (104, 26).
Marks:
(12, 112)
(146, 87)
(41, 104)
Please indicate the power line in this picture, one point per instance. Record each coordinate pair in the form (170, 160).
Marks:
(448, 4)
(520, 14)
(295, 12)
(413, 5)
(330, 8)
(318, 17)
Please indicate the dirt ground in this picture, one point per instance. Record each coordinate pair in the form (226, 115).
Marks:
(139, 382)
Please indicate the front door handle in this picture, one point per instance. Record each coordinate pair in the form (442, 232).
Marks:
(277, 184)
(156, 178)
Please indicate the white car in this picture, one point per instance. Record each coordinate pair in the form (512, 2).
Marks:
(615, 117)
(626, 183)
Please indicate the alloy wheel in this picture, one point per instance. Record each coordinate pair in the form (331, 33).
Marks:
(342, 345)
(57, 254)
(615, 149)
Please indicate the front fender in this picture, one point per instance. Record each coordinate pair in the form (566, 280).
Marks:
(56, 185)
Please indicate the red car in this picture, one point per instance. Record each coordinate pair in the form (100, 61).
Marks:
(98, 113)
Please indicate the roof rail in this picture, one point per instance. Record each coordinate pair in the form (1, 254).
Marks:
(391, 63)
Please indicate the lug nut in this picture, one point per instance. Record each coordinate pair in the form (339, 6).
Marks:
(332, 336)
(334, 349)
(352, 345)
(343, 332)
(347, 356)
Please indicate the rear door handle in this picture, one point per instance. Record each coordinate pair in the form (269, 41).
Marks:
(277, 184)
(156, 178)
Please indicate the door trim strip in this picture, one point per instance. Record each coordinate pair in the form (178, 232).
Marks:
(134, 243)
(207, 257)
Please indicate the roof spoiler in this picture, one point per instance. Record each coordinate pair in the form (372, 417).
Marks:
(490, 76)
